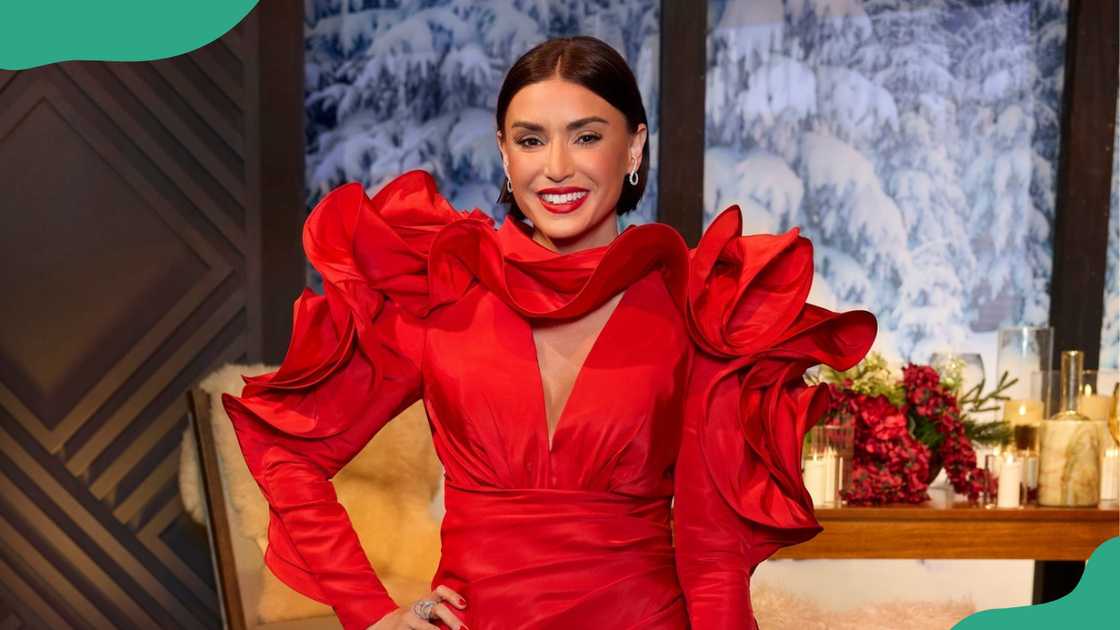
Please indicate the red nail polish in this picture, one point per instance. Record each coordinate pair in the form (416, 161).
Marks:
(462, 602)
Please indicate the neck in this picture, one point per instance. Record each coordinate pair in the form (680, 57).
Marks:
(597, 235)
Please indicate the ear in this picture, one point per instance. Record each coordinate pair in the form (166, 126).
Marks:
(501, 151)
(637, 142)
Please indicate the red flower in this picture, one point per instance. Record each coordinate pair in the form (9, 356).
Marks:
(889, 464)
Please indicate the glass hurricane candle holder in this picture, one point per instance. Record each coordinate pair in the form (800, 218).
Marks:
(1046, 386)
(970, 364)
(1022, 351)
(823, 463)
(841, 440)
(989, 475)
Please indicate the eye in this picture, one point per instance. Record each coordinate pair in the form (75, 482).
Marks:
(593, 137)
(525, 141)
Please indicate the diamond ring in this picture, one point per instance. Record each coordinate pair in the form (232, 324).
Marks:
(423, 608)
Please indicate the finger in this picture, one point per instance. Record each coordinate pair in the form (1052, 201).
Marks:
(448, 617)
(416, 623)
(445, 593)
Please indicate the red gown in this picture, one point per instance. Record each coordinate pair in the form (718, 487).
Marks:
(693, 389)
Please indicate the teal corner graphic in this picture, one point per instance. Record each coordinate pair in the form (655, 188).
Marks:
(1092, 604)
(37, 33)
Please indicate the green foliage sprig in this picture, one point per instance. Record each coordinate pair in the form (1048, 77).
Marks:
(874, 377)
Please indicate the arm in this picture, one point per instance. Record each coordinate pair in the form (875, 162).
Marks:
(298, 426)
(739, 491)
(711, 541)
(352, 365)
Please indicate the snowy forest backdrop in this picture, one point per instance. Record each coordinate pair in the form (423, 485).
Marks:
(914, 141)
(901, 135)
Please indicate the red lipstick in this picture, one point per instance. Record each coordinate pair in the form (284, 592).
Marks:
(566, 207)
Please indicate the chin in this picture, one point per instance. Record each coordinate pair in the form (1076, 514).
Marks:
(561, 226)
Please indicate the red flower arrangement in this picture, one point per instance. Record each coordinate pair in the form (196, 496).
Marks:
(928, 401)
(888, 464)
(904, 432)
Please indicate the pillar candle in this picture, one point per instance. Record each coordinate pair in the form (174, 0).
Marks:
(1010, 478)
(831, 475)
(815, 476)
(1094, 406)
(998, 452)
(1023, 411)
(1110, 477)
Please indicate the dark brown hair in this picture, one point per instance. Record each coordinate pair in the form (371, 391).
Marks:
(595, 65)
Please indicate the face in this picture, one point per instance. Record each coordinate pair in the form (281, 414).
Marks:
(567, 152)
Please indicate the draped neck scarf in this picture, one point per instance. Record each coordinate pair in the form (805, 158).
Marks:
(538, 282)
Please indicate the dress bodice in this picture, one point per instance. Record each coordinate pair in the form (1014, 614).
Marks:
(619, 429)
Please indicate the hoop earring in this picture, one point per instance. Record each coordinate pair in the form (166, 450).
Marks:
(633, 178)
(509, 185)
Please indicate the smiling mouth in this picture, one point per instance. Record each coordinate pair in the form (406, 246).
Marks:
(562, 203)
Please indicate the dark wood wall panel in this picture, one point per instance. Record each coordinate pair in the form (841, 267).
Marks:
(680, 168)
(1085, 178)
(139, 217)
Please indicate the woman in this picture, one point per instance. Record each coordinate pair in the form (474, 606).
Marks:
(576, 380)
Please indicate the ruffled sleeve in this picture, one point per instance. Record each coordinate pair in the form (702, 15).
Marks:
(352, 364)
(739, 490)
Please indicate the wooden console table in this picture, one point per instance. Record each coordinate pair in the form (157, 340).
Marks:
(959, 531)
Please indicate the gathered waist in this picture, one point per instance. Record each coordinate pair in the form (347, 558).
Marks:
(561, 553)
(492, 530)
(534, 503)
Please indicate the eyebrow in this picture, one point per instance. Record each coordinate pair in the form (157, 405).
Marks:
(575, 124)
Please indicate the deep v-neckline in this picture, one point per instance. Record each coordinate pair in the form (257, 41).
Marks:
(542, 403)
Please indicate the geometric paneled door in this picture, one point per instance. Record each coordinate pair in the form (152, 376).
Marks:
(151, 216)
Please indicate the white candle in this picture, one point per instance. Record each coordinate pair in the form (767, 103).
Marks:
(831, 472)
(1023, 411)
(1032, 470)
(1094, 406)
(1110, 476)
(1010, 478)
(998, 452)
(815, 476)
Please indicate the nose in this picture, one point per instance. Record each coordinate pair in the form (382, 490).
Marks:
(559, 166)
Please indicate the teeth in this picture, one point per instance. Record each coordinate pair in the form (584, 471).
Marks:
(565, 198)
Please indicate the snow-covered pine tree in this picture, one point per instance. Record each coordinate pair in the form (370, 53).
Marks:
(1110, 328)
(901, 136)
(788, 116)
(1010, 232)
(910, 57)
(1048, 25)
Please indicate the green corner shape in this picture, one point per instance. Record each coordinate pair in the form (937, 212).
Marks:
(1092, 604)
(36, 33)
